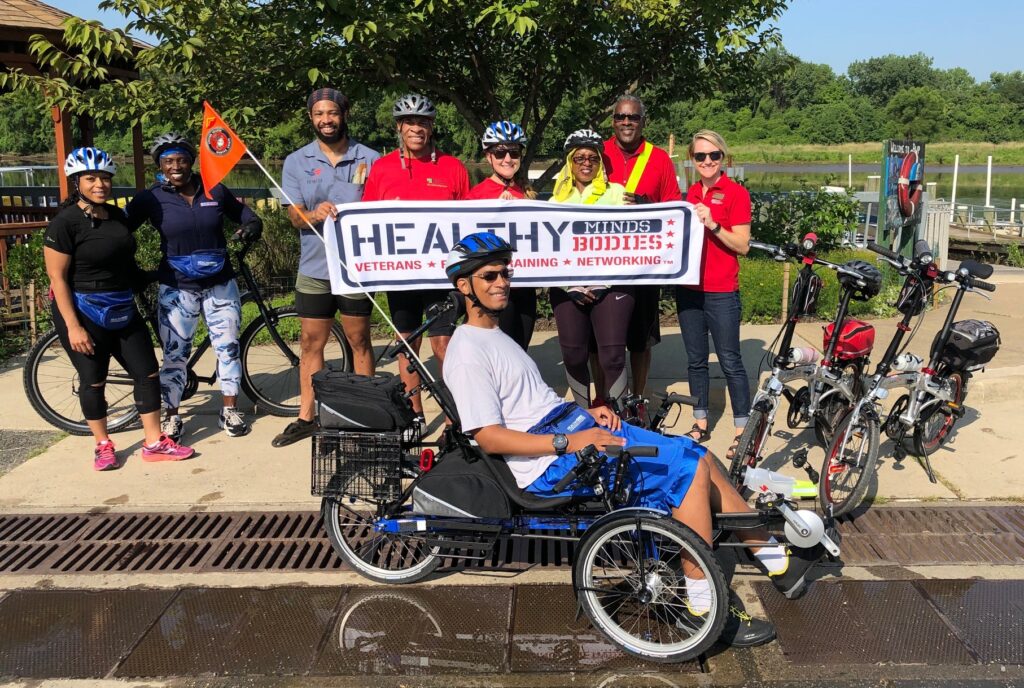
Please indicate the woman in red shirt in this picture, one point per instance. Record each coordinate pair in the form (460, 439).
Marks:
(713, 306)
(503, 143)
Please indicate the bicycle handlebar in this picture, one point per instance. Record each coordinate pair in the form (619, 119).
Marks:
(589, 457)
(975, 283)
(885, 253)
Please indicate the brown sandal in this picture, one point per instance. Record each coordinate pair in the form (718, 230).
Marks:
(702, 434)
(730, 453)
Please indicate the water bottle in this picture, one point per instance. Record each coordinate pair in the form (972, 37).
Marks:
(907, 363)
(803, 354)
(761, 480)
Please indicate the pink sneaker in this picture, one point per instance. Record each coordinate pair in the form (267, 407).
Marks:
(166, 450)
(104, 459)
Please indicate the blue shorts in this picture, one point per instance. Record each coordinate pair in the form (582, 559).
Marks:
(659, 482)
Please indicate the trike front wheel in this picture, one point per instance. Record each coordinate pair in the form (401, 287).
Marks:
(629, 579)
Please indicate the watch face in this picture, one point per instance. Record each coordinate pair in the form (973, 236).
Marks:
(560, 442)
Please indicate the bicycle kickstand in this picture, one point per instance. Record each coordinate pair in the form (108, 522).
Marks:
(928, 469)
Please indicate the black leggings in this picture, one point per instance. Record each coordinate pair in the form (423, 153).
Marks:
(519, 317)
(608, 322)
(130, 346)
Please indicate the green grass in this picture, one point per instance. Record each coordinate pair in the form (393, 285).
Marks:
(972, 153)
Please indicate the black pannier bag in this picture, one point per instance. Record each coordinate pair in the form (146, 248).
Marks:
(460, 485)
(972, 344)
(346, 401)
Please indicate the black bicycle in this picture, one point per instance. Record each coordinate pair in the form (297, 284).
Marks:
(268, 347)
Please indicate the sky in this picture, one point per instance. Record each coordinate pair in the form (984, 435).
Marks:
(981, 36)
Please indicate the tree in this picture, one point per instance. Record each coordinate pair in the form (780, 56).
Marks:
(488, 58)
(25, 126)
(806, 84)
(917, 113)
(1009, 86)
(881, 78)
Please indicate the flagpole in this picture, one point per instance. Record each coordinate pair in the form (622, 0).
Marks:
(359, 284)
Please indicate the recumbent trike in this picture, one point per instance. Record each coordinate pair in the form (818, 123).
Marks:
(393, 512)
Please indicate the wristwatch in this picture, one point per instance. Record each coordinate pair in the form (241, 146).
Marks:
(717, 229)
(560, 442)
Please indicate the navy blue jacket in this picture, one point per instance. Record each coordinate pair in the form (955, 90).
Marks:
(185, 228)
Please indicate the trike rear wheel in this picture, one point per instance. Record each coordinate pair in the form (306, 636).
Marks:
(628, 576)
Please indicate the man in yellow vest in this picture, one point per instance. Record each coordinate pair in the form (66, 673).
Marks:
(649, 177)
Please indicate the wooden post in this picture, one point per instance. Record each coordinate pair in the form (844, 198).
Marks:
(138, 158)
(32, 311)
(62, 132)
(87, 125)
(671, 144)
(785, 291)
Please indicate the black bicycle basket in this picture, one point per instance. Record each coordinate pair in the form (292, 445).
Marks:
(359, 465)
(972, 344)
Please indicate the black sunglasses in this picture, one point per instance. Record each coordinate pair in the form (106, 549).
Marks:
(624, 116)
(581, 159)
(714, 155)
(500, 153)
(490, 277)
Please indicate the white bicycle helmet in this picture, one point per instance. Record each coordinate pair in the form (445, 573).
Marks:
(583, 138)
(502, 132)
(88, 159)
(170, 140)
(413, 105)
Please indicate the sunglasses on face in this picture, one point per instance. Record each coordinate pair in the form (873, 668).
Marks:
(714, 155)
(627, 117)
(491, 277)
(500, 153)
(583, 159)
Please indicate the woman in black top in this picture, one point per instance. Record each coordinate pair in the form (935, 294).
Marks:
(90, 260)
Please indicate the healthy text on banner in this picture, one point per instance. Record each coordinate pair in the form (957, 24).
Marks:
(403, 245)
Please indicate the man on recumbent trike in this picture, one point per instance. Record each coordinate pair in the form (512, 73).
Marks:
(505, 405)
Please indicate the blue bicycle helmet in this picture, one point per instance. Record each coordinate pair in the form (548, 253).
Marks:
(475, 250)
(502, 132)
(88, 160)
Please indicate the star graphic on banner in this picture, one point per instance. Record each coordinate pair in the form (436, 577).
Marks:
(431, 264)
(670, 245)
(670, 234)
(567, 261)
(670, 222)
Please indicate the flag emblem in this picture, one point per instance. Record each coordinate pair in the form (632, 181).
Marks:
(218, 141)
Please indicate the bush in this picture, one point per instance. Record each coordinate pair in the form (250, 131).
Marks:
(782, 217)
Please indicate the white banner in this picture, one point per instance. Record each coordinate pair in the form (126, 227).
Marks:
(403, 245)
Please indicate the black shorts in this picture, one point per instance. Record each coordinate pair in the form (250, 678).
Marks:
(645, 324)
(408, 307)
(324, 306)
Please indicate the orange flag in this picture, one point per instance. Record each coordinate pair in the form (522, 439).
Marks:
(220, 149)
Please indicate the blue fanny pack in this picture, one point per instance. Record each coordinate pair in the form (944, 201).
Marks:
(200, 264)
(111, 310)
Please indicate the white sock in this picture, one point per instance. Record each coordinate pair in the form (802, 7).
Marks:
(699, 592)
(775, 559)
(101, 443)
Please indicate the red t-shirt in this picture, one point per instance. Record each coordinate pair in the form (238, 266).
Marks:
(658, 182)
(730, 206)
(488, 189)
(445, 180)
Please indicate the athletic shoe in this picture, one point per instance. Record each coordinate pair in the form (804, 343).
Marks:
(173, 427)
(740, 630)
(792, 580)
(166, 450)
(231, 422)
(104, 458)
(293, 432)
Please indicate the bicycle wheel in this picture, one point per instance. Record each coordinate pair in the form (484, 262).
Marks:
(629, 580)
(269, 378)
(51, 385)
(932, 430)
(748, 450)
(381, 557)
(836, 406)
(849, 463)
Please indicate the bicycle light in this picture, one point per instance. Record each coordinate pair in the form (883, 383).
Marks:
(810, 239)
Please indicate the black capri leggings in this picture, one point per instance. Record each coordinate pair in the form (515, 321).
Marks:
(131, 346)
(608, 322)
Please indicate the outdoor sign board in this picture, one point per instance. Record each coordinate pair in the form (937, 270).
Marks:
(900, 196)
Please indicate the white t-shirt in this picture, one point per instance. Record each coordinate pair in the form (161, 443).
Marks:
(494, 382)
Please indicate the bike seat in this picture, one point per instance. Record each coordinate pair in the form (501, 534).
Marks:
(528, 502)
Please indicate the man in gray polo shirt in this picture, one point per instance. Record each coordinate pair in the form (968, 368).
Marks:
(331, 169)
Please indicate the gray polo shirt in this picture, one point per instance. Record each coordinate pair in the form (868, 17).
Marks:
(310, 179)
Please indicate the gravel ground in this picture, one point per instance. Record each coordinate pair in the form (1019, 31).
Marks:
(16, 446)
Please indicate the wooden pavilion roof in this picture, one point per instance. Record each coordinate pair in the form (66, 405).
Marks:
(31, 14)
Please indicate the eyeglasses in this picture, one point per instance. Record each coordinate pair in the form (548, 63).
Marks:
(500, 153)
(491, 277)
(627, 116)
(583, 159)
(714, 155)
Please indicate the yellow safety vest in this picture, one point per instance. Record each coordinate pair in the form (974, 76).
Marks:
(638, 169)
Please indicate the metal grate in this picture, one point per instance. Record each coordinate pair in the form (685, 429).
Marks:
(296, 541)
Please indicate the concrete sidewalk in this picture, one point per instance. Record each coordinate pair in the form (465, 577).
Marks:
(983, 460)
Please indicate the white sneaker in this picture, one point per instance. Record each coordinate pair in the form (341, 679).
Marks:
(231, 421)
(173, 427)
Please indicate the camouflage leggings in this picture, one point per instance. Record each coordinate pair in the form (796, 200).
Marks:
(221, 307)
